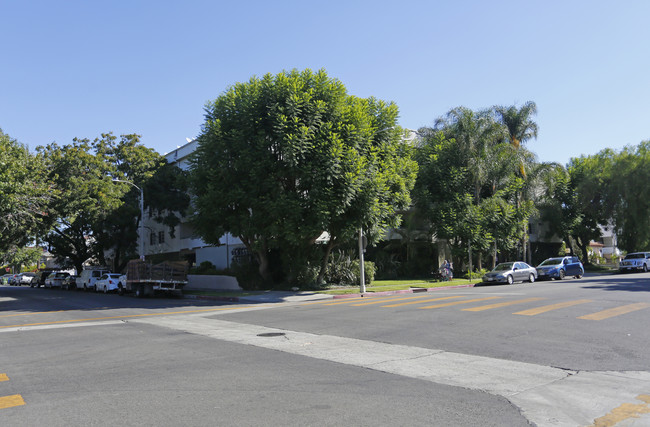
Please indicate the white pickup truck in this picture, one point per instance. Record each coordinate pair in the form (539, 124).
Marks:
(636, 261)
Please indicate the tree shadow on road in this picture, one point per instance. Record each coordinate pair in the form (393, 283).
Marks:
(620, 283)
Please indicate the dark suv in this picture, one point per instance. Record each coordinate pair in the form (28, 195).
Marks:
(560, 267)
(41, 275)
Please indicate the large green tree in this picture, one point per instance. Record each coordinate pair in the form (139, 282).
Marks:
(627, 197)
(285, 157)
(24, 195)
(93, 215)
(87, 196)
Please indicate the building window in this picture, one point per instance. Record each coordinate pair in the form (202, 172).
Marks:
(152, 238)
(161, 237)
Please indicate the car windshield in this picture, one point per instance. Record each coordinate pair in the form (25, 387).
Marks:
(503, 267)
(634, 256)
(552, 261)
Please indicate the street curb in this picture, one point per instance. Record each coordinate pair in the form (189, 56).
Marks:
(212, 298)
(325, 296)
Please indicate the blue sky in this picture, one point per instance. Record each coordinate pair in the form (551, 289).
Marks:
(79, 68)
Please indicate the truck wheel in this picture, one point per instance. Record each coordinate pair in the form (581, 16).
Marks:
(139, 291)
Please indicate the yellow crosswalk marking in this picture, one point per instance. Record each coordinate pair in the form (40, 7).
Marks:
(365, 299)
(501, 304)
(345, 301)
(457, 303)
(383, 300)
(419, 302)
(11, 401)
(617, 311)
(544, 309)
(4, 377)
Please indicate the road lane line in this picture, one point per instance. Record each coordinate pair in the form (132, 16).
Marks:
(4, 377)
(545, 308)
(126, 316)
(457, 303)
(420, 302)
(27, 314)
(11, 401)
(617, 311)
(501, 304)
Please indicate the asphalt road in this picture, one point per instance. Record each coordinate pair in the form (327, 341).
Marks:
(548, 353)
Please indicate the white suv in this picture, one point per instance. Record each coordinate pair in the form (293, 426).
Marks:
(635, 261)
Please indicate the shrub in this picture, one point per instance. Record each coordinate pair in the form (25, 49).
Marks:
(248, 276)
(205, 268)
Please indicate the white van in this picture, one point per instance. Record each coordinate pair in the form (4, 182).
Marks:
(89, 276)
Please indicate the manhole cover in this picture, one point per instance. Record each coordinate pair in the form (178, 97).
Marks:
(271, 334)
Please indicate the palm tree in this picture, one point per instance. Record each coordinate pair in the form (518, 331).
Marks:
(520, 127)
(477, 133)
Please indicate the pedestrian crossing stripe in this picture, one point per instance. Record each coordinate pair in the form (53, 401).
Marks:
(501, 304)
(457, 303)
(346, 301)
(616, 311)
(387, 302)
(545, 308)
(11, 401)
(383, 301)
(419, 302)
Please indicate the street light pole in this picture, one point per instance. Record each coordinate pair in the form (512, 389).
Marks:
(362, 276)
(141, 215)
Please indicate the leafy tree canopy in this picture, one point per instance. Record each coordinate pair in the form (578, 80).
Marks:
(285, 157)
(24, 195)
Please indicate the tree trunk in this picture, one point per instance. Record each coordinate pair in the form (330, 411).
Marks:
(263, 259)
(524, 243)
(323, 265)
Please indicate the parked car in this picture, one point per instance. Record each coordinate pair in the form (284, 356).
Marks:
(560, 267)
(636, 261)
(69, 283)
(24, 278)
(108, 282)
(4, 279)
(55, 280)
(510, 272)
(89, 276)
(39, 279)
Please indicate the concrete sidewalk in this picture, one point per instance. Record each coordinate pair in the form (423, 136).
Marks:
(288, 296)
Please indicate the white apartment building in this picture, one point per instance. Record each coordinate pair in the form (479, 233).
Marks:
(185, 244)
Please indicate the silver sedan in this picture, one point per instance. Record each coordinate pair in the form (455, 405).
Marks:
(510, 272)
